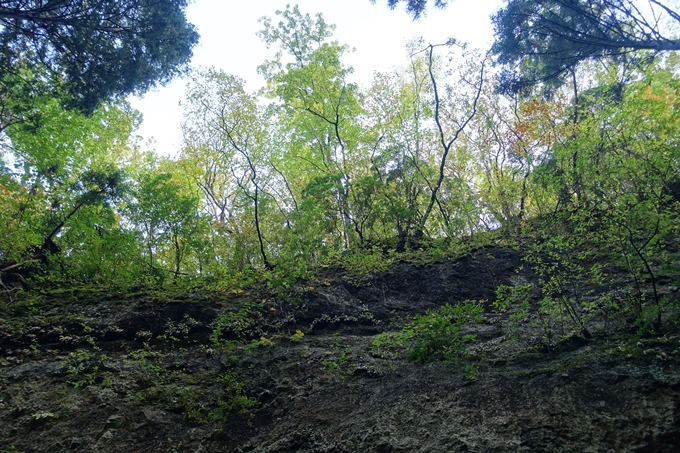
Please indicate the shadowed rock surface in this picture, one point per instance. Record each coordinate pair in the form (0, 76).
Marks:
(101, 372)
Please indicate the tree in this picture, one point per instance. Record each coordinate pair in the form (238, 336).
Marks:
(542, 41)
(611, 174)
(415, 7)
(510, 137)
(66, 167)
(93, 50)
(21, 221)
(397, 113)
(167, 212)
(447, 138)
(224, 129)
(321, 107)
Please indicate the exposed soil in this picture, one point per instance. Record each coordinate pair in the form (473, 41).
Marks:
(94, 371)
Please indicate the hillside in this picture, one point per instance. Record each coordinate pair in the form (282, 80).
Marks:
(87, 369)
(476, 250)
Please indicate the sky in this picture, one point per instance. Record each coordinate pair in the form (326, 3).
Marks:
(228, 41)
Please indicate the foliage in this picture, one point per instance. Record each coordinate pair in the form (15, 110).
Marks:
(543, 41)
(362, 263)
(339, 358)
(235, 322)
(516, 301)
(169, 213)
(471, 373)
(415, 7)
(96, 50)
(233, 399)
(21, 219)
(318, 112)
(68, 183)
(11, 449)
(436, 334)
(315, 172)
(298, 335)
(85, 367)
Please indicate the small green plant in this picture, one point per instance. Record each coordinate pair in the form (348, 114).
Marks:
(514, 301)
(647, 321)
(341, 359)
(471, 373)
(362, 263)
(84, 366)
(81, 355)
(87, 378)
(435, 334)
(141, 359)
(263, 342)
(238, 322)
(193, 405)
(298, 335)
(344, 356)
(233, 399)
(330, 367)
(43, 415)
(12, 449)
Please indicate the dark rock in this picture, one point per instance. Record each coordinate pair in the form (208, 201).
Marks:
(114, 422)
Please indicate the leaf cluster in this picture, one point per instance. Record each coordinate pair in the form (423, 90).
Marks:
(85, 52)
(435, 334)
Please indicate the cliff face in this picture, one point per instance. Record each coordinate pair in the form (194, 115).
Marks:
(247, 372)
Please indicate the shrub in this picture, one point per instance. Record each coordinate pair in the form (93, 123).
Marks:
(435, 334)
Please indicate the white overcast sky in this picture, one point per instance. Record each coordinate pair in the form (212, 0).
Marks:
(228, 41)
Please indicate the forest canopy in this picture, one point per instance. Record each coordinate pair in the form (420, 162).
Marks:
(85, 52)
(315, 170)
(543, 42)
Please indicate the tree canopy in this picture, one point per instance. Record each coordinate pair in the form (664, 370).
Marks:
(541, 41)
(415, 7)
(86, 51)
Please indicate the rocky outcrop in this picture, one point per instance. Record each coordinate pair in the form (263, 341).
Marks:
(249, 372)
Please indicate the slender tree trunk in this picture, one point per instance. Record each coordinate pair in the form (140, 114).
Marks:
(446, 145)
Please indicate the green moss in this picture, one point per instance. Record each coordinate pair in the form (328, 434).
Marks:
(11, 449)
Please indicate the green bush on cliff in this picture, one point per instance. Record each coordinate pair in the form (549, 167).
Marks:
(435, 334)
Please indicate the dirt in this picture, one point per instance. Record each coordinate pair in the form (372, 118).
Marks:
(250, 372)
